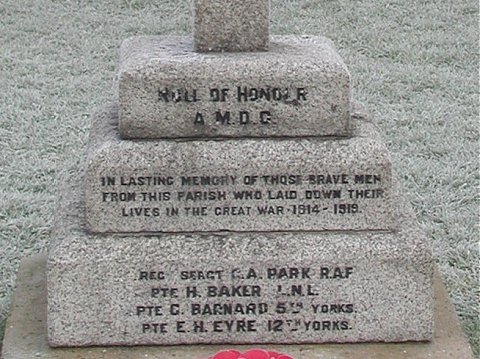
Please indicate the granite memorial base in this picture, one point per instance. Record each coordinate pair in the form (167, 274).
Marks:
(232, 198)
(26, 333)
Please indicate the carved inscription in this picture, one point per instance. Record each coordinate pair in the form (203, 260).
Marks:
(235, 97)
(286, 198)
(242, 300)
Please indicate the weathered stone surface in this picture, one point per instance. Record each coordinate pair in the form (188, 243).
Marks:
(285, 287)
(26, 333)
(237, 185)
(301, 87)
(233, 25)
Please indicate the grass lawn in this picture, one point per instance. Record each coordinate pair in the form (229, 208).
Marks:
(413, 63)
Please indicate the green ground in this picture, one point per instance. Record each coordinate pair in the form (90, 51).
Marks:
(414, 64)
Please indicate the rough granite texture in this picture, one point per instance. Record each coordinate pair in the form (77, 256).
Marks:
(26, 333)
(295, 184)
(301, 87)
(233, 25)
(129, 290)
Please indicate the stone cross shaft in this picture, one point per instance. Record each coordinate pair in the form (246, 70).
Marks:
(231, 25)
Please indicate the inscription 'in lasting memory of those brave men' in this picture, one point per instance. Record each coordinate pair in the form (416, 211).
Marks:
(243, 300)
(301, 201)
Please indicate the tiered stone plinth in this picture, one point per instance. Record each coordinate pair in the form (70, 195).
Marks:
(236, 198)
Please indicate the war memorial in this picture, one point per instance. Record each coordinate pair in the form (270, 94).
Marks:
(236, 194)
